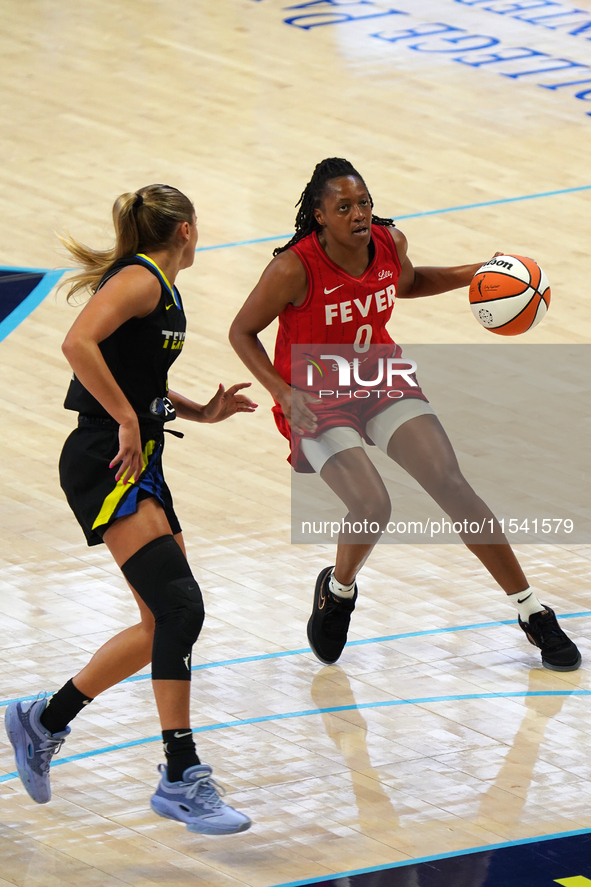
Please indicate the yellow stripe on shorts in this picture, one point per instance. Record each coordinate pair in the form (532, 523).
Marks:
(114, 498)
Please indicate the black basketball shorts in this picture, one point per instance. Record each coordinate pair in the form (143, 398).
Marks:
(94, 495)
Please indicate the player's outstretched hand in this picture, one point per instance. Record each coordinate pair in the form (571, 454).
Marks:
(225, 403)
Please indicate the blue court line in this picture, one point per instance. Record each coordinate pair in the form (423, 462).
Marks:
(20, 271)
(330, 878)
(34, 299)
(429, 212)
(202, 249)
(265, 719)
(282, 654)
(381, 640)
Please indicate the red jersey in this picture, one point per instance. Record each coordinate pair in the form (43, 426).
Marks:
(340, 310)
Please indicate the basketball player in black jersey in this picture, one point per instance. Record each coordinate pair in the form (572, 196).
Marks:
(121, 347)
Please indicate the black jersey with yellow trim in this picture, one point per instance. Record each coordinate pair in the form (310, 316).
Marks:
(141, 351)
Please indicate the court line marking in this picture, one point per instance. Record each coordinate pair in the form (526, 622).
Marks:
(24, 271)
(282, 654)
(52, 276)
(286, 716)
(329, 878)
(429, 212)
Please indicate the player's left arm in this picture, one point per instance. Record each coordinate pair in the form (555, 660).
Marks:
(425, 280)
(223, 404)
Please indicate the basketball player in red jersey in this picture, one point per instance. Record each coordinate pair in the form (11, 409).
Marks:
(335, 283)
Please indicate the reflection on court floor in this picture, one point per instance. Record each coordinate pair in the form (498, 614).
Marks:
(564, 860)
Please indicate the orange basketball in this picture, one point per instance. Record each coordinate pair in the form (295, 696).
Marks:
(509, 295)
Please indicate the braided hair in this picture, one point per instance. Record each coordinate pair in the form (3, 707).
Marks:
(305, 223)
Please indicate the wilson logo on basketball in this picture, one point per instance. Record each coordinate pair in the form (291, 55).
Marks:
(509, 295)
(500, 261)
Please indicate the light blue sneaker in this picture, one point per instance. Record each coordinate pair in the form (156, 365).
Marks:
(197, 801)
(34, 746)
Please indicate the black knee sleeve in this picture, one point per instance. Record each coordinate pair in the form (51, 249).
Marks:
(161, 576)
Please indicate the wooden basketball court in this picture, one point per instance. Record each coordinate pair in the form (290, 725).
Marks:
(438, 730)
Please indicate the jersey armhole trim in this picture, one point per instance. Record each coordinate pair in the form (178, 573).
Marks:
(307, 272)
(391, 244)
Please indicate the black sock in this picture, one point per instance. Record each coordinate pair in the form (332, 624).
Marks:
(63, 708)
(180, 752)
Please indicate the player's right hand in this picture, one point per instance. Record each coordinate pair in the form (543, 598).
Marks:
(129, 457)
(300, 417)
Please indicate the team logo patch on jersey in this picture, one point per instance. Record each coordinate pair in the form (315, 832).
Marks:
(163, 408)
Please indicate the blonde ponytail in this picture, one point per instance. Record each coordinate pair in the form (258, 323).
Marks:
(143, 220)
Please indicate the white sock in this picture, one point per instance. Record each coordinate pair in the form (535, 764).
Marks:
(340, 590)
(526, 603)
